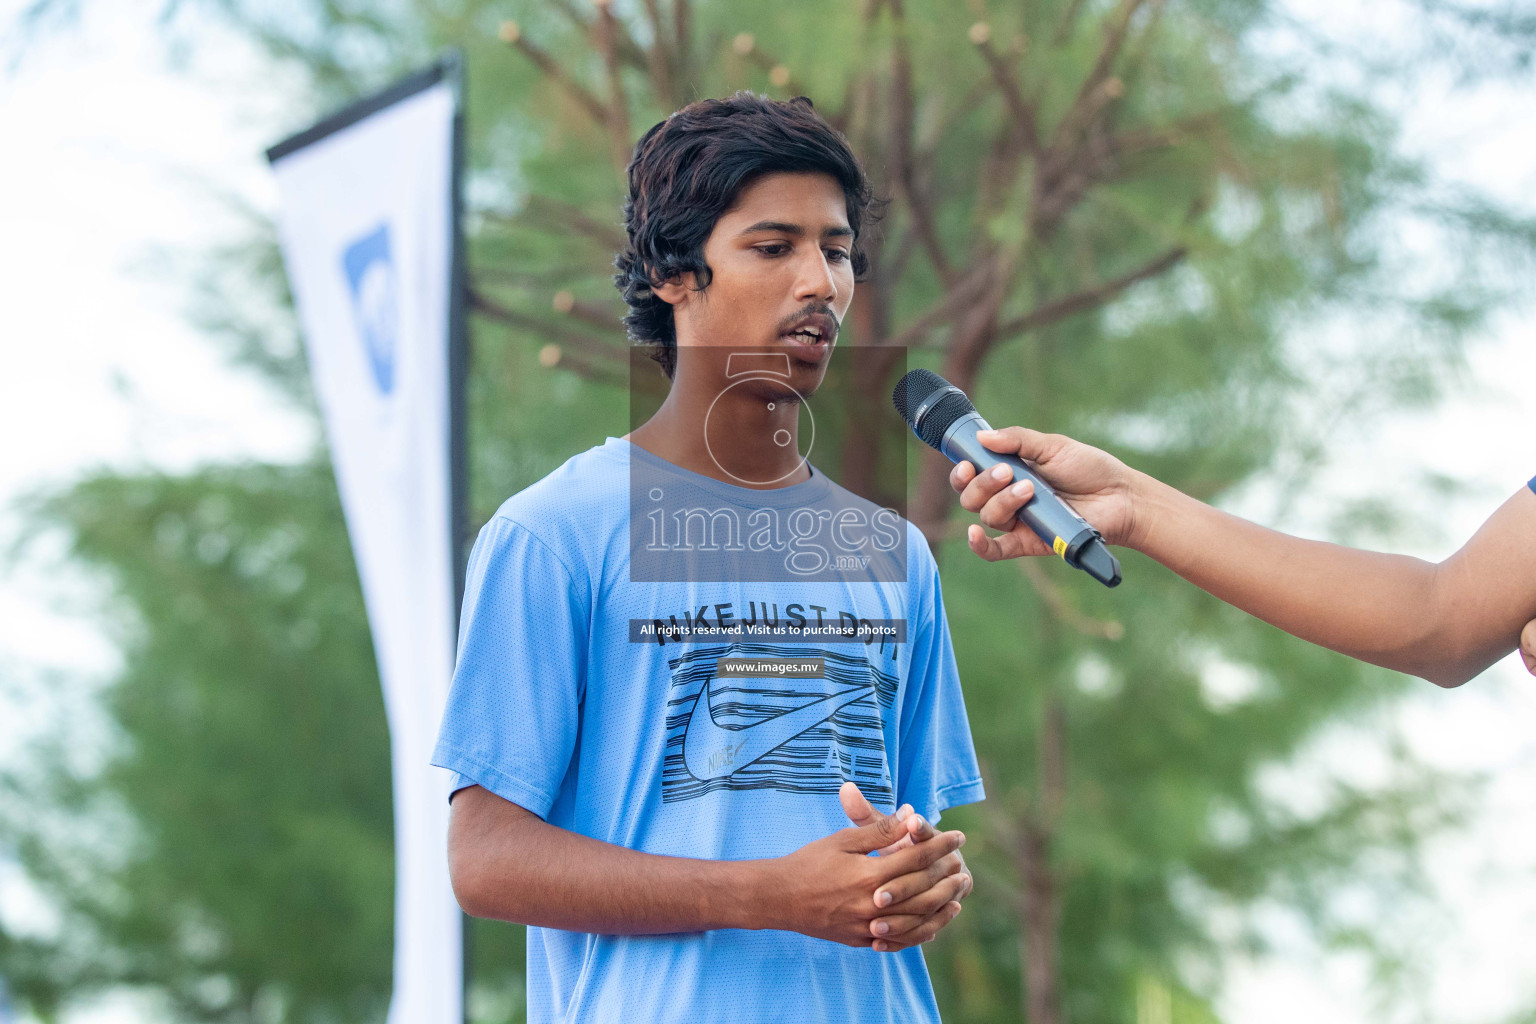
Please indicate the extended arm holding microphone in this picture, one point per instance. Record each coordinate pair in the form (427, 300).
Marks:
(1445, 621)
(943, 418)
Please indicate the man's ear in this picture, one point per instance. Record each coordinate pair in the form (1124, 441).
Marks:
(674, 290)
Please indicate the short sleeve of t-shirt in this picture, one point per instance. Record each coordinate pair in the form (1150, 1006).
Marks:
(937, 767)
(511, 720)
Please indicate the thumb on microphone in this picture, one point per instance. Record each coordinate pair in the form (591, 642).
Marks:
(1027, 444)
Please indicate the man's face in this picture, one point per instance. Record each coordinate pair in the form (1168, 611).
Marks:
(781, 260)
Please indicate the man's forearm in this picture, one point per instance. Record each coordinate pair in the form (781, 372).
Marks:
(517, 867)
(1443, 622)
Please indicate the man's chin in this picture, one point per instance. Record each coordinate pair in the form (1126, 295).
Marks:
(806, 376)
(781, 394)
(805, 383)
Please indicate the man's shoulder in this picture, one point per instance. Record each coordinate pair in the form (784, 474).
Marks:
(582, 501)
(920, 563)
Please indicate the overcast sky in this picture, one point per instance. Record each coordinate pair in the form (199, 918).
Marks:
(111, 157)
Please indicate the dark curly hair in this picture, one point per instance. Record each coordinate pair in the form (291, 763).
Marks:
(689, 169)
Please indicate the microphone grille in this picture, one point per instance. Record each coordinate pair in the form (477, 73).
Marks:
(917, 387)
(913, 389)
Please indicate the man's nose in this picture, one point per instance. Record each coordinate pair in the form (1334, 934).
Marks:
(816, 279)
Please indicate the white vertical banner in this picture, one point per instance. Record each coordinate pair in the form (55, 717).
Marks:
(368, 204)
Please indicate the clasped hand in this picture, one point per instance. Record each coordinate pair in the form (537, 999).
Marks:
(834, 890)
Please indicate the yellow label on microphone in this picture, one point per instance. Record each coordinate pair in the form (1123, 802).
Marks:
(1060, 547)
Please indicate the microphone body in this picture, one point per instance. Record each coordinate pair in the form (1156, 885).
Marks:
(942, 416)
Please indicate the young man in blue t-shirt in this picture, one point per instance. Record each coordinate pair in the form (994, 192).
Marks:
(698, 682)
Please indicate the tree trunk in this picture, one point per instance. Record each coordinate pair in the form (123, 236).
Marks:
(1041, 910)
(1041, 913)
(869, 411)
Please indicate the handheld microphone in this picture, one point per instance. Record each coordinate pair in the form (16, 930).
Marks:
(943, 418)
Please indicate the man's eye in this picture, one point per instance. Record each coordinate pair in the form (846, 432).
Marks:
(774, 249)
(837, 255)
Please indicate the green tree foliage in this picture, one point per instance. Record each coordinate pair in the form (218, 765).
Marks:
(1118, 220)
(247, 860)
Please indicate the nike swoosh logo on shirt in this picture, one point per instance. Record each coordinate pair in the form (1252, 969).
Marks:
(712, 751)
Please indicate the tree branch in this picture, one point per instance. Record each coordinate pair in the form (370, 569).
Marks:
(998, 173)
(1142, 140)
(901, 146)
(682, 34)
(1088, 298)
(605, 29)
(1068, 24)
(659, 57)
(779, 75)
(631, 52)
(541, 280)
(604, 317)
(588, 346)
(1136, 51)
(957, 296)
(1092, 95)
(1022, 112)
(977, 332)
(898, 263)
(512, 34)
(856, 88)
(553, 356)
(552, 215)
(1115, 29)
(1057, 602)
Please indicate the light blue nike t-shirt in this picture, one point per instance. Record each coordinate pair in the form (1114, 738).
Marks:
(569, 702)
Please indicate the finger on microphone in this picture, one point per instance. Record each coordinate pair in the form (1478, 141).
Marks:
(961, 475)
(980, 490)
(1019, 543)
(1002, 507)
(988, 548)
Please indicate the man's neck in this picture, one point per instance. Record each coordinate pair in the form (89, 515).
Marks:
(726, 434)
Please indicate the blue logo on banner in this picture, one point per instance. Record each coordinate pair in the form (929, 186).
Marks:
(370, 270)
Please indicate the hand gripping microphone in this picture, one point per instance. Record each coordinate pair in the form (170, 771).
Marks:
(944, 419)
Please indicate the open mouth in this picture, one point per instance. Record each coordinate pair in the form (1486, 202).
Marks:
(808, 347)
(811, 337)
